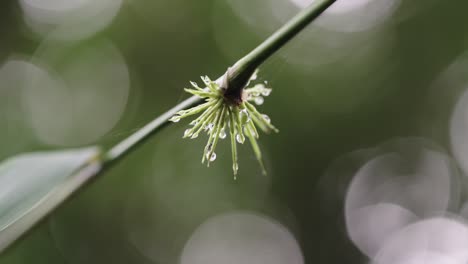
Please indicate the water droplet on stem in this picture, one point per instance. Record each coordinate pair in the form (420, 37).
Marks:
(259, 100)
(266, 92)
(222, 134)
(244, 116)
(209, 127)
(240, 138)
(212, 157)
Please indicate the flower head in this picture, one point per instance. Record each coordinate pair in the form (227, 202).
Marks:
(221, 116)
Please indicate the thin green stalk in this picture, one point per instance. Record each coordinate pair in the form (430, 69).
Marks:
(240, 73)
(236, 77)
(136, 139)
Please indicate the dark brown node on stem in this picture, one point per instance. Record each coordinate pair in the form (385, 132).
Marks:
(233, 85)
(233, 96)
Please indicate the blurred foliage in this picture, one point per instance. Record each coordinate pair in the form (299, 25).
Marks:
(144, 209)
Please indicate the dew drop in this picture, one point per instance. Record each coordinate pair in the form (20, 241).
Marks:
(240, 138)
(208, 148)
(206, 80)
(245, 117)
(175, 119)
(259, 100)
(194, 123)
(187, 132)
(267, 118)
(212, 157)
(195, 135)
(254, 76)
(209, 127)
(222, 134)
(266, 92)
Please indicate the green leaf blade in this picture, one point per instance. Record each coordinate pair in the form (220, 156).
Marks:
(33, 184)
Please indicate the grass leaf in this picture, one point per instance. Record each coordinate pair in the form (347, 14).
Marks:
(33, 184)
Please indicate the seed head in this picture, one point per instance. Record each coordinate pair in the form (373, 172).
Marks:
(219, 114)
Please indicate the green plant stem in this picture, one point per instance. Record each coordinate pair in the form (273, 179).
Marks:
(119, 150)
(237, 77)
(239, 74)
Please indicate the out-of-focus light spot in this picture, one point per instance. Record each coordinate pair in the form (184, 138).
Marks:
(422, 185)
(464, 211)
(409, 179)
(333, 184)
(241, 237)
(82, 99)
(448, 100)
(15, 132)
(459, 131)
(426, 257)
(12, 74)
(410, 8)
(354, 15)
(370, 226)
(70, 19)
(177, 193)
(433, 241)
(316, 46)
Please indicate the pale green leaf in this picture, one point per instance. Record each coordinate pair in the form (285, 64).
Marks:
(33, 184)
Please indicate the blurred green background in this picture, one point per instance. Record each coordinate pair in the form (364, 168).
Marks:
(81, 72)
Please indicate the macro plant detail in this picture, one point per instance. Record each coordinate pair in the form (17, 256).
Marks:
(221, 112)
(225, 106)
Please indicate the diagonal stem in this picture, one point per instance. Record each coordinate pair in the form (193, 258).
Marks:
(236, 77)
(122, 148)
(239, 74)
